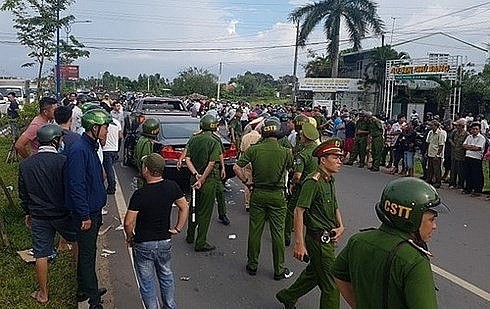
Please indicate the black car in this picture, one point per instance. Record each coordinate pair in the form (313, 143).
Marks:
(175, 131)
(149, 107)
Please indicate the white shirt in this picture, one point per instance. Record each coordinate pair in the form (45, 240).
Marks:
(112, 141)
(484, 126)
(478, 141)
(76, 115)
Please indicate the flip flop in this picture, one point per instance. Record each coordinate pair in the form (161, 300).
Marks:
(35, 295)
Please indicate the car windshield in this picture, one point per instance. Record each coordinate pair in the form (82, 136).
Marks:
(161, 105)
(5, 90)
(179, 130)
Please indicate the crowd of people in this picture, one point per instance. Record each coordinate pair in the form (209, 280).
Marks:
(287, 161)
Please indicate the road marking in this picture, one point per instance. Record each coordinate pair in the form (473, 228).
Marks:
(462, 283)
(121, 209)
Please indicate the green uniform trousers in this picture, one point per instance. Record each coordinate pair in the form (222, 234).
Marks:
(288, 227)
(204, 209)
(220, 198)
(266, 205)
(87, 254)
(360, 146)
(317, 273)
(377, 145)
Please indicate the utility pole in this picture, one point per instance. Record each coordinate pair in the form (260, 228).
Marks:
(219, 80)
(58, 69)
(295, 65)
(392, 29)
(148, 84)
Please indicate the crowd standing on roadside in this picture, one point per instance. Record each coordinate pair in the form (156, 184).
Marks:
(286, 163)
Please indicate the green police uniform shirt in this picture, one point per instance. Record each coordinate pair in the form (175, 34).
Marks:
(270, 161)
(317, 196)
(304, 161)
(236, 125)
(284, 142)
(203, 148)
(143, 147)
(362, 125)
(375, 128)
(362, 262)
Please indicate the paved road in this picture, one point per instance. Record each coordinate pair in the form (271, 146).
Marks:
(218, 279)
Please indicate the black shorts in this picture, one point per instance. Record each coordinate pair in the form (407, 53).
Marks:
(44, 230)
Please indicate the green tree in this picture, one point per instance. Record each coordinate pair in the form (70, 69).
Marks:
(318, 66)
(36, 23)
(250, 84)
(475, 88)
(196, 80)
(359, 16)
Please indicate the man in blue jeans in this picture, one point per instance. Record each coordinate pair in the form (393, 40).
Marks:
(110, 151)
(148, 231)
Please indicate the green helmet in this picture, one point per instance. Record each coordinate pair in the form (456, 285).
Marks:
(271, 127)
(299, 120)
(88, 106)
(209, 123)
(404, 201)
(151, 128)
(48, 132)
(95, 117)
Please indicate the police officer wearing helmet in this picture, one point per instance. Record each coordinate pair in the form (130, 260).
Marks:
(304, 164)
(394, 258)
(298, 121)
(202, 157)
(317, 211)
(270, 163)
(145, 144)
(86, 195)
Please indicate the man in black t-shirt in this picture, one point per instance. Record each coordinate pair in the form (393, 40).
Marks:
(148, 231)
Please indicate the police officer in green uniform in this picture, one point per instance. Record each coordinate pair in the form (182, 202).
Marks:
(236, 129)
(299, 120)
(220, 188)
(389, 267)
(377, 141)
(318, 211)
(270, 163)
(145, 143)
(360, 144)
(304, 164)
(202, 159)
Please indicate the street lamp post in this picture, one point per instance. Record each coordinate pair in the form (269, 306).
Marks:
(58, 69)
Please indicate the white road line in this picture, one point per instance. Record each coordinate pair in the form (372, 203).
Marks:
(462, 283)
(121, 209)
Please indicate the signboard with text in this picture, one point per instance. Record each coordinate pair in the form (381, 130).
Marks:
(70, 72)
(331, 85)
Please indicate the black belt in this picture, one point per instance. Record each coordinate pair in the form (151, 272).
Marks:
(321, 236)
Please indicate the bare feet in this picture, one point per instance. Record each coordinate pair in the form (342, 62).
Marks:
(39, 297)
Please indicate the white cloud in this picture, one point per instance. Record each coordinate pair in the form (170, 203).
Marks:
(232, 27)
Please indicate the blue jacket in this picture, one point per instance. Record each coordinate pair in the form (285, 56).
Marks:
(85, 184)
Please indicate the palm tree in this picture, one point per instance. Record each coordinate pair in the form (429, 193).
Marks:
(359, 16)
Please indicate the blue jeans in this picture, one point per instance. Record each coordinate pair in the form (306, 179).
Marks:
(109, 158)
(408, 158)
(153, 258)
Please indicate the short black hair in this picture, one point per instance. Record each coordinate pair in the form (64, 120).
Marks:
(475, 124)
(62, 114)
(11, 93)
(45, 102)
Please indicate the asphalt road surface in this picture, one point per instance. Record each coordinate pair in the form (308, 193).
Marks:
(218, 279)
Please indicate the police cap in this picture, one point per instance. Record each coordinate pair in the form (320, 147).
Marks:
(310, 132)
(332, 145)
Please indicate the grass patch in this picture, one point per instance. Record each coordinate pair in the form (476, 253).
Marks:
(18, 278)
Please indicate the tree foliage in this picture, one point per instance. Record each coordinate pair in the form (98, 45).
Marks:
(318, 66)
(475, 88)
(36, 24)
(360, 16)
(193, 80)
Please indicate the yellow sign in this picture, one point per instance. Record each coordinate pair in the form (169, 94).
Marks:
(420, 69)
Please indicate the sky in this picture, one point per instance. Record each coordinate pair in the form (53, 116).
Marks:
(131, 37)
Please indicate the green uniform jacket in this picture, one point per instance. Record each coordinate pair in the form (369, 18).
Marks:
(203, 148)
(304, 162)
(362, 263)
(143, 147)
(375, 128)
(318, 197)
(362, 125)
(270, 161)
